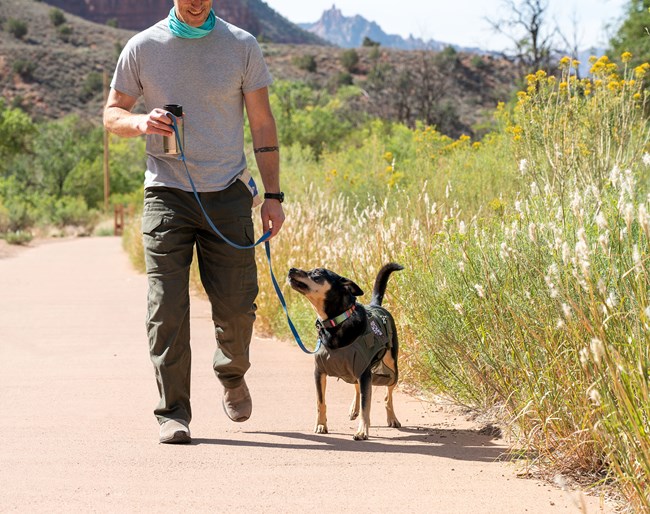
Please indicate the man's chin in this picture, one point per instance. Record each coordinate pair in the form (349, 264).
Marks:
(195, 20)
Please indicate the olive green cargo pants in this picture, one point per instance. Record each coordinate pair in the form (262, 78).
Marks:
(172, 224)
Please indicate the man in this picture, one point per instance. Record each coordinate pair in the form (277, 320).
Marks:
(213, 70)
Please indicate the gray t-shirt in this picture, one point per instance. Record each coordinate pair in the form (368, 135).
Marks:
(208, 77)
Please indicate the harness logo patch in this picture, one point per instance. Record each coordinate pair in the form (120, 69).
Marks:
(375, 328)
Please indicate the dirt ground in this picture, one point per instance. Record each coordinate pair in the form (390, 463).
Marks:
(78, 391)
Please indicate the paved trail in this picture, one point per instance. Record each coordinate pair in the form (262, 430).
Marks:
(77, 390)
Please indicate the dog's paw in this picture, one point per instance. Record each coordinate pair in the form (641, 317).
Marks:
(354, 415)
(360, 436)
(394, 423)
(321, 429)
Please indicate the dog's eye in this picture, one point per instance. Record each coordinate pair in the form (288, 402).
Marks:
(317, 276)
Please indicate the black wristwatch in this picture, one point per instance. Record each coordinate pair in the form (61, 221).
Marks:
(274, 196)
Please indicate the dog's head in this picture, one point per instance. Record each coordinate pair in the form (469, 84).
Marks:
(330, 294)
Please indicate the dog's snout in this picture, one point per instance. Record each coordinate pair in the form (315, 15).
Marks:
(296, 272)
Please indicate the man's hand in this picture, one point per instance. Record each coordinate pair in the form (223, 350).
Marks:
(119, 119)
(272, 216)
(156, 122)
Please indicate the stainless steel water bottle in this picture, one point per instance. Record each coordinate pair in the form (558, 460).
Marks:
(170, 144)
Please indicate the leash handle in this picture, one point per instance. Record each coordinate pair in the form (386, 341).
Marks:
(263, 239)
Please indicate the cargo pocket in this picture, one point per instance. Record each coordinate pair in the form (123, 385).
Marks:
(249, 230)
(153, 240)
(151, 223)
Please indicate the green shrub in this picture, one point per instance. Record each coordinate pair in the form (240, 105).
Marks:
(479, 62)
(20, 237)
(64, 31)
(57, 17)
(313, 117)
(367, 42)
(306, 62)
(25, 68)
(93, 85)
(73, 211)
(350, 59)
(16, 28)
(4, 219)
(344, 79)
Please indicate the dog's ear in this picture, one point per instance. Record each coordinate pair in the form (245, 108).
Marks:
(354, 289)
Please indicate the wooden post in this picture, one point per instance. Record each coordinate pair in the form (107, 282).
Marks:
(118, 217)
(107, 181)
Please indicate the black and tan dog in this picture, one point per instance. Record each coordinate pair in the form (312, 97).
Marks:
(358, 344)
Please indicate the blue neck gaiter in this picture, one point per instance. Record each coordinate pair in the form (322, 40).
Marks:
(181, 29)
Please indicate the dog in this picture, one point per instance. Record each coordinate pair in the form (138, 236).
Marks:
(358, 343)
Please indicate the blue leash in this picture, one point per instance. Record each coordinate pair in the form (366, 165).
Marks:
(263, 239)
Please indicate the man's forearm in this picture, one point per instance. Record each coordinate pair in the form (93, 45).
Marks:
(268, 162)
(269, 167)
(122, 122)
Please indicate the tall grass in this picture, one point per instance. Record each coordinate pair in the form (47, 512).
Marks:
(527, 272)
(526, 283)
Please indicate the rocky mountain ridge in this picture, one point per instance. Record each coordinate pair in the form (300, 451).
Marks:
(350, 32)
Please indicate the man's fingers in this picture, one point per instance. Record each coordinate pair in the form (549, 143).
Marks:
(159, 123)
(272, 219)
(277, 225)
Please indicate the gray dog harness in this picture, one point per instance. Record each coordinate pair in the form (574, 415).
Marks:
(349, 362)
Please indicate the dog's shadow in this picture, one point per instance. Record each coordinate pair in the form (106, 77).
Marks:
(465, 445)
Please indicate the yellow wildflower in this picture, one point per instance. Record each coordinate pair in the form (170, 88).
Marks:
(641, 70)
(614, 85)
(626, 56)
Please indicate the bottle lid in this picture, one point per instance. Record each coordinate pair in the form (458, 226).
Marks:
(175, 109)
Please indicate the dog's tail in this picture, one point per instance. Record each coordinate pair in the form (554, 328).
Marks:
(381, 281)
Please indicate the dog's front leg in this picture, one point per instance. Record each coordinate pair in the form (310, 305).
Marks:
(321, 421)
(365, 390)
(390, 412)
(354, 407)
